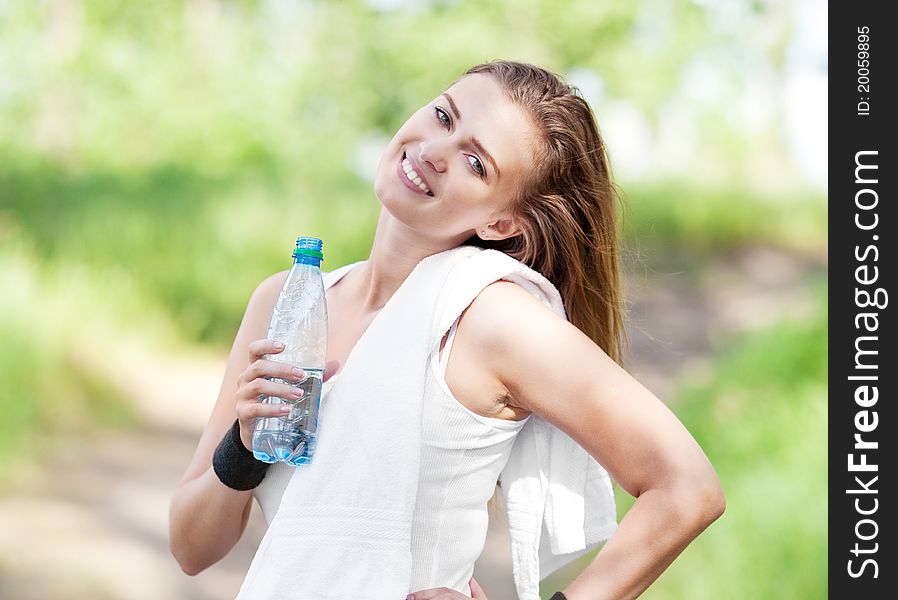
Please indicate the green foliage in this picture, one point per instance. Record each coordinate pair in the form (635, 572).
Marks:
(193, 243)
(705, 220)
(49, 384)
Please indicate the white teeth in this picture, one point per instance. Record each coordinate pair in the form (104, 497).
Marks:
(413, 176)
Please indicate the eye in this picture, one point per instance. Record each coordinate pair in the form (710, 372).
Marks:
(443, 117)
(478, 166)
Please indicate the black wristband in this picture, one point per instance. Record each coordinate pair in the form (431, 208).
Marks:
(558, 596)
(234, 465)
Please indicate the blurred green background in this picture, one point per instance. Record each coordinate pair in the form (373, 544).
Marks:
(157, 160)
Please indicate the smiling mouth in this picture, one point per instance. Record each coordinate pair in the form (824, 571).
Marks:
(413, 176)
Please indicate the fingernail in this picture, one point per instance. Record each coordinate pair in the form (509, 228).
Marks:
(278, 345)
(410, 597)
(284, 409)
(297, 372)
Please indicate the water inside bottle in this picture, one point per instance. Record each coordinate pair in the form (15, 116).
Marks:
(291, 438)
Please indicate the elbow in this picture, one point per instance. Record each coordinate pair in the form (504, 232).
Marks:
(706, 501)
(187, 560)
(190, 569)
(187, 555)
(714, 502)
(197, 538)
(696, 502)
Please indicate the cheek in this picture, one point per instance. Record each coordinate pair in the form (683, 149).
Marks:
(466, 208)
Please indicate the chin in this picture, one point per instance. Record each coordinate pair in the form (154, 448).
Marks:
(399, 210)
(382, 189)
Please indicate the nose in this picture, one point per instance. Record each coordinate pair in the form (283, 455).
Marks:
(433, 153)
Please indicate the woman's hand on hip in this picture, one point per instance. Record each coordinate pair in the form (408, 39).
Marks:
(443, 593)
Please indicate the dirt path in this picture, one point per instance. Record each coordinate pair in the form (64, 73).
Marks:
(96, 520)
(95, 523)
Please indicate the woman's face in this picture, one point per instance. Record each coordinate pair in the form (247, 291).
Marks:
(469, 150)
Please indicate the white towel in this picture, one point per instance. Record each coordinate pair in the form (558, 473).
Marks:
(343, 528)
(559, 503)
(559, 500)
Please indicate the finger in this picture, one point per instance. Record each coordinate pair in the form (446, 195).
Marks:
(476, 591)
(434, 593)
(249, 412)
(271, 368)
(251, 392)
(259, 348)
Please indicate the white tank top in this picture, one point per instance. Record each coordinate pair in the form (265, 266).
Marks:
(462, 455)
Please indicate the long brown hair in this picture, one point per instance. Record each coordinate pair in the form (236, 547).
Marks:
(568, 208)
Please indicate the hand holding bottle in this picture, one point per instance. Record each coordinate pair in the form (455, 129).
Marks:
(253, 384)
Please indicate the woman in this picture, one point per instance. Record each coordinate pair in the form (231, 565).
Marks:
(508, 158)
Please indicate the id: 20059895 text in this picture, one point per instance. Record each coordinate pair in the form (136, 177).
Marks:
(863, 70)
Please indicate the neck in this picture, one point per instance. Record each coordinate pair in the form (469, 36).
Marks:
(395, 252)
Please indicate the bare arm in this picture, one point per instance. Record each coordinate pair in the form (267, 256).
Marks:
(206, 517)
(554, 370)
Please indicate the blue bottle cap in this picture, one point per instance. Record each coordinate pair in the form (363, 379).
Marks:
(308, 246)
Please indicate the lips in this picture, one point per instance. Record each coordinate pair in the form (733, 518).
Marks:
(411, 174)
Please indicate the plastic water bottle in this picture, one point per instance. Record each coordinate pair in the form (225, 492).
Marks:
(299, 321)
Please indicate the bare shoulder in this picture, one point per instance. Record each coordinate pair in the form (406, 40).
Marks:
(533, 352)
(266, 294)
(470, 376)
(504, 314)
(271, 286)
(256, 317)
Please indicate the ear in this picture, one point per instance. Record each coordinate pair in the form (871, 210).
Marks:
(504, 228)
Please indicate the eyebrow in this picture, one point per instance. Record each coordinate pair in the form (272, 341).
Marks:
(474, 141)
